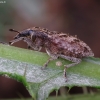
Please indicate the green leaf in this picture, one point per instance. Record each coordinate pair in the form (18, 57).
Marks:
(77, 97)
(69, 97)
(25, 66)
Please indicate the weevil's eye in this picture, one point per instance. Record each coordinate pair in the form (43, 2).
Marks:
(17, 36)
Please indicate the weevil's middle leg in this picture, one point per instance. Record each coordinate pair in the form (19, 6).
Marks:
(46, 64)
(52, 57)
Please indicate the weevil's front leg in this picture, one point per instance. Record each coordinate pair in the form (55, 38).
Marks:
(31, 44)
(73, 59)
(15, 40)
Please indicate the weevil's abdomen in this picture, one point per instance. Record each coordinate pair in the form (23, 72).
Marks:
(69, 46)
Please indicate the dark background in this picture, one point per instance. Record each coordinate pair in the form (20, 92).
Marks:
(76, 17)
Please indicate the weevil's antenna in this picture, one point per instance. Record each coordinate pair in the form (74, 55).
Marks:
(12, 30)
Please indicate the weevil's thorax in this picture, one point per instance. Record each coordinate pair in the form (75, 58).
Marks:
(39, 38)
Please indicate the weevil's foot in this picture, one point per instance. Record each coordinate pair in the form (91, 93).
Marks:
(66, 80)
(45, 65)
(28, 47)
(43, 68)
(65, 76)
(23, 39)
(10, 43)
(4, 43)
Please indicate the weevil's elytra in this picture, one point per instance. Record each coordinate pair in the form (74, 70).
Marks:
(56, 44)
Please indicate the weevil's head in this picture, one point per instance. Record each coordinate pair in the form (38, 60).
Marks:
(30, 36)
(22, 34)
(29, 32)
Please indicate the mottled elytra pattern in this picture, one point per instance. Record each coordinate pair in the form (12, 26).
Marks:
(56, 44)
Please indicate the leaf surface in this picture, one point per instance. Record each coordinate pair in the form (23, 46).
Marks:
(25, 66)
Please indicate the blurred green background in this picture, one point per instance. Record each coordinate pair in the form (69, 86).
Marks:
(76, 17)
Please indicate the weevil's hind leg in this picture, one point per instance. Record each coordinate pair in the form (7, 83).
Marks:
(67, 66)
(74, 60)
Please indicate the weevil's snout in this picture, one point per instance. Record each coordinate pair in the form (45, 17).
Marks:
(20, 35)
(15, 37)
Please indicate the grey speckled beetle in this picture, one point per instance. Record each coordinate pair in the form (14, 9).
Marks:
(56, 45)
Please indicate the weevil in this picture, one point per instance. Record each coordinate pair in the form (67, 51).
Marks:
(56, 44)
